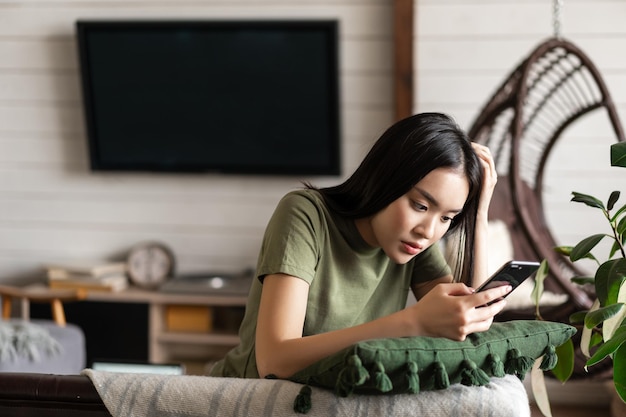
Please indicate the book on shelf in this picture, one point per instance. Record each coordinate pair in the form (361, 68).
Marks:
(110, 283)
(85, 268)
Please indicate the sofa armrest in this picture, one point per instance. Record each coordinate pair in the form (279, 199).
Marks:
(47, 395)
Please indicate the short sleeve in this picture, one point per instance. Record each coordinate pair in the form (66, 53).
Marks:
(293, 237)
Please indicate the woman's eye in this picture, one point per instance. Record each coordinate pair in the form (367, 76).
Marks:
(447, 219)
(419, 206)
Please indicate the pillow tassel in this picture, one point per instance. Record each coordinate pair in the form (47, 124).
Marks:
(381, 380)
(495, 364)
(412, 377)
(516, 364)
(549, 358)
(440, 375)
(471, 374)
(302, 403)
(352, 375)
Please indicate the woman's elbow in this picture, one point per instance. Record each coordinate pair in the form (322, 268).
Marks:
(269, 368)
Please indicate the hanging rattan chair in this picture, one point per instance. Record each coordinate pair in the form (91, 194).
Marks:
(553, 87)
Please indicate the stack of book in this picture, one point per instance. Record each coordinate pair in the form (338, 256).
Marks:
(91, 276)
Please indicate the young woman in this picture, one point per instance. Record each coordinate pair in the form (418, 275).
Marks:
(337, 263)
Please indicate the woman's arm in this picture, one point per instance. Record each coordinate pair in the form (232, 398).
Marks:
(281, 349)
(490, 178)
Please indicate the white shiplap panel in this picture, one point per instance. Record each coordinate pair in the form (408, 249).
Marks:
(129, 214)
(52, 87)
(471, 56)
(458, 20)
(56, 89)
(369, 20)
(41, 117)
(15, 148)
(493, 54)
(357, 54)
(84, 243)
(42, 145)
(37, 53)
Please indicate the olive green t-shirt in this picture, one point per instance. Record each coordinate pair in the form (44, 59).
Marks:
(349, 281)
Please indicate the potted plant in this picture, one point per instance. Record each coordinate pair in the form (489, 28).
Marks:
(603, 334)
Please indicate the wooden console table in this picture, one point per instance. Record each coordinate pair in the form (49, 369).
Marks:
(168, 346)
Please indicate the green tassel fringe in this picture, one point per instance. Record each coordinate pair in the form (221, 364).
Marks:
(516, 364)
(381, 380)
(440, 375)
(412, 378)
(549, 358)
(495, 364)
(354, 374)
(302, 403)
(471, 374)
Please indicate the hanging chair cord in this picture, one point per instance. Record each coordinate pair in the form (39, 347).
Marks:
(557, 6)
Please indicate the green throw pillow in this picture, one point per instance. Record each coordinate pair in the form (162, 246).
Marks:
(411, 364)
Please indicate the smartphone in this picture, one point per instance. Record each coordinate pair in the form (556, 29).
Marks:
(511, 273)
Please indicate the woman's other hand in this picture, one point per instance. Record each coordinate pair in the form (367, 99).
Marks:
(455, 311)
(490, 176)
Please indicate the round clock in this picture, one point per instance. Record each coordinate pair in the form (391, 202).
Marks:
(150, 264)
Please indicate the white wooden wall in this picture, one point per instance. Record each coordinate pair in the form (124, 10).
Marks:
(466, 48)
(53, 208)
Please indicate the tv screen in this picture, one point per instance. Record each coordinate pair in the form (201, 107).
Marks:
(235, 97)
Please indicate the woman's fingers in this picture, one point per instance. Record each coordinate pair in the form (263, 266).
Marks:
(491, 295)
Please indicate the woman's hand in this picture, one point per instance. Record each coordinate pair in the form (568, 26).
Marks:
(481, 236)
(455, 311)
(490, 176)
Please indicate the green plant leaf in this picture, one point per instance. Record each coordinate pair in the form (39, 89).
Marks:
(612, 200)
(621, 226)
(602, 281)
(619, 371)
(618, 154)
(615, 280)
(594, 318)
(563, 250)
(610, 326)
(583, 249)
(540, 276)
(596, 339)
(565, 364)
(586, 334)
(583, 280)
(609, 346)
(578, 317)
(587, 199)
(618, 212)
(614, 248)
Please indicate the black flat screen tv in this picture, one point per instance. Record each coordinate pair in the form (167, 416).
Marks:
(234, 97)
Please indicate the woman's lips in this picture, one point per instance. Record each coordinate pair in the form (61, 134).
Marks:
(412, 248)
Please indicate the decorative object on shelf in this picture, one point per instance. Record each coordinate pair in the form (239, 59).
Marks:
(88, 275)
(189, 318)
(89, 268)
(150, 264)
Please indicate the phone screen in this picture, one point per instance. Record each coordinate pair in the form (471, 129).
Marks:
(512, 273)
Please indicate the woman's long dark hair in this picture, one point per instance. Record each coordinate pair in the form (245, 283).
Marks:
(400, 158)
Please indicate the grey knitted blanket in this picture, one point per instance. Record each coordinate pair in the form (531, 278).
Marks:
(150, 395)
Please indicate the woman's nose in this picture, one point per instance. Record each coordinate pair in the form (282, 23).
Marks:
(426, 227)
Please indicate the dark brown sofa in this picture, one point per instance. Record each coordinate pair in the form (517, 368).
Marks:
(47, 395)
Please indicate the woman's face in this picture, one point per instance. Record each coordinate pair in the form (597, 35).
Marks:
(419, 218)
